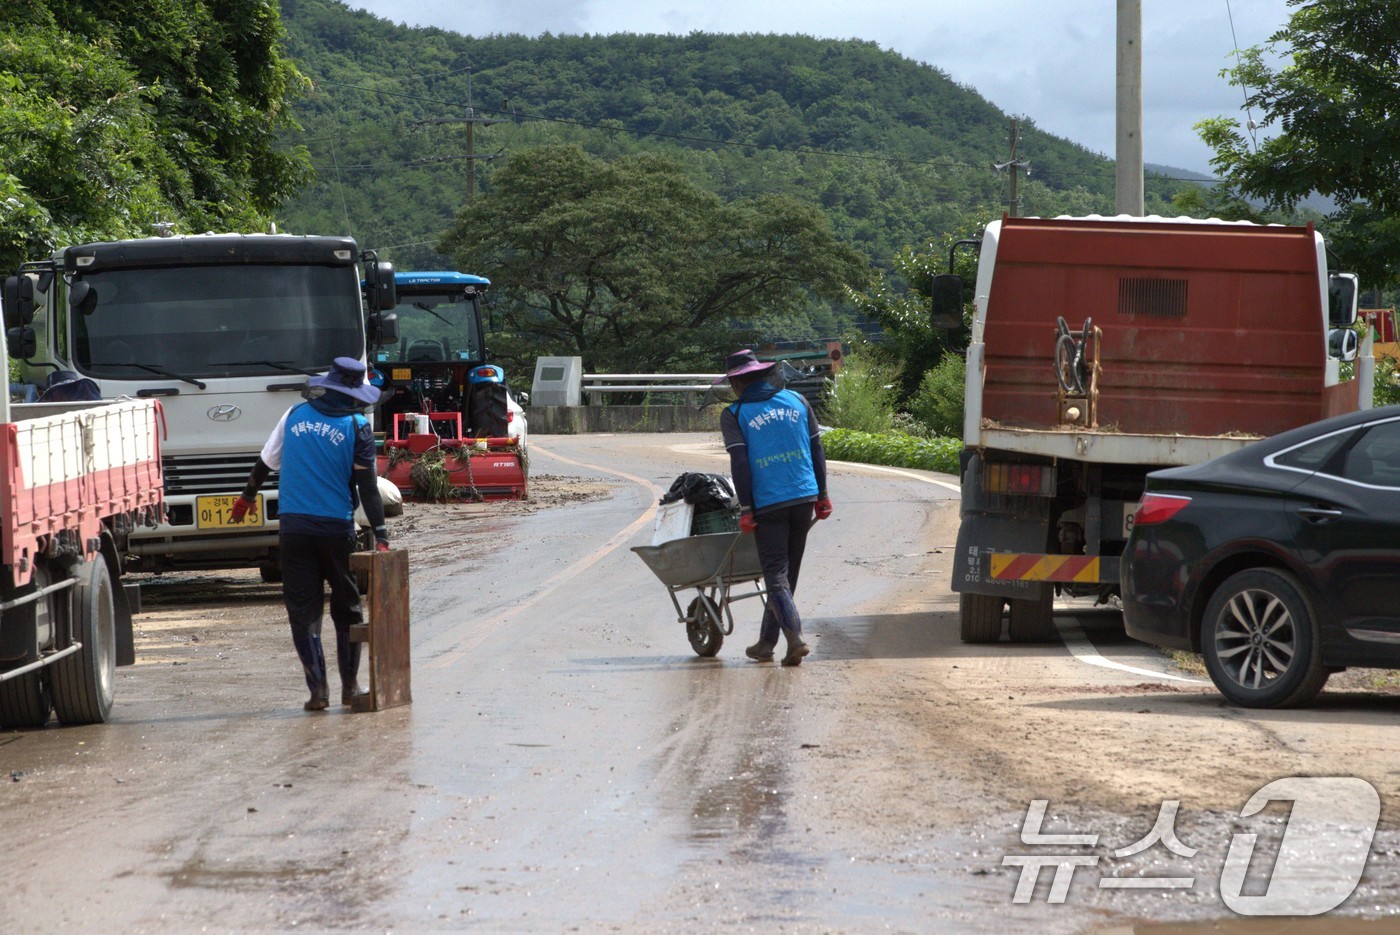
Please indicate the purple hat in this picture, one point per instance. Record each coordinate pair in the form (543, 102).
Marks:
(742, 363)
(347, 375)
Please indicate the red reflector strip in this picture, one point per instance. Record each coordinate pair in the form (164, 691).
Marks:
(1082, 569)
(1158, 508)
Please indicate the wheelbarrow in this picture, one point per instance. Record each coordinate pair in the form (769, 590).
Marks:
(713, 564)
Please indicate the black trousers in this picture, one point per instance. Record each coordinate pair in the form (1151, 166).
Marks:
(309, 563)
(781, 538)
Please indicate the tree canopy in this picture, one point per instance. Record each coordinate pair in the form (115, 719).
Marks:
(634, 267)
(118, 115)
(1331, 110)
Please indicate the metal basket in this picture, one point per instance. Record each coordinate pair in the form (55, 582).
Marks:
(715, 521)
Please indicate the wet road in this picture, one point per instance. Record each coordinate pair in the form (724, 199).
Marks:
(568, 763)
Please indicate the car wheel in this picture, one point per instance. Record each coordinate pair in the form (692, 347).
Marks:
(979, 617)
(702, 627)
(1260, 641)
(1033, 621)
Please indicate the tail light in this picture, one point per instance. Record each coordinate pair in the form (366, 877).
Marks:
(1020, 479)
(1158, 508)
(510, 416)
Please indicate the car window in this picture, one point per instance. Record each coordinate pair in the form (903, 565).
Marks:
(1312, 455)
(1375, 458)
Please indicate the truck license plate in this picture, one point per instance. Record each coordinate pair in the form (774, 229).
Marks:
(213, 513)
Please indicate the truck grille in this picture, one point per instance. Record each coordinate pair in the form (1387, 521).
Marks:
(205, 474)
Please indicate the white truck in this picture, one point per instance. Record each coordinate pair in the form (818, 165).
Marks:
(76, 480)
(224, 330)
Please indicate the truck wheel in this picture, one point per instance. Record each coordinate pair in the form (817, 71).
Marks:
(1260, 642)
(979, 616)
(1033, 621)
(24, 701)
(83, 682)
(701, 627)
(270, 572)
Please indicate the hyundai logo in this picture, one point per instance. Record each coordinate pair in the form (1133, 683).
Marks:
(224, 413)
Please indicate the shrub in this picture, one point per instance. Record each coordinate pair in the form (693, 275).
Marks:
(938, 403)
(861, 398)
(894, 448)
(1387, 390)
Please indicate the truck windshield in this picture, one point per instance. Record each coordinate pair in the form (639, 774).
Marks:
(218, 321)
(441, 326)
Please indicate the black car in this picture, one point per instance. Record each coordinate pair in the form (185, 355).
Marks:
(1279, 563)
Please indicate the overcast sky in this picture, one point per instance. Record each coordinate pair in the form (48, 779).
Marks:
(1050, 60)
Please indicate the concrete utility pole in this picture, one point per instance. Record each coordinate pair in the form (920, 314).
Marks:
(1128, 156)
(1015, 166)
(471, 120)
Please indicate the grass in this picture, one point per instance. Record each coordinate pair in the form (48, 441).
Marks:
(893, 448)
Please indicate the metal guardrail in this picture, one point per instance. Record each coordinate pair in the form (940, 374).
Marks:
(600, 384)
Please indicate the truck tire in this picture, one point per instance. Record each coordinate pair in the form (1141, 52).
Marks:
(1033, 621)
(979, 617)
(83, 683)
(24, 701)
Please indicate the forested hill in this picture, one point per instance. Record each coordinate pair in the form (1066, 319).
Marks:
(894, 151)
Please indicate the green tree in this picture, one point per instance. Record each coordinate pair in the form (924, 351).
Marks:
(632, 266)
(120, 114)
(1333, 107)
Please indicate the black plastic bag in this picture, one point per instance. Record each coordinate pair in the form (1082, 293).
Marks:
(706, 492)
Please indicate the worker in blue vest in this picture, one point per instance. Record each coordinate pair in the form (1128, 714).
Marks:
(324, 449)
(779, 469)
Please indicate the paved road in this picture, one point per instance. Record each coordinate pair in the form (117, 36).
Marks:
(568, 763)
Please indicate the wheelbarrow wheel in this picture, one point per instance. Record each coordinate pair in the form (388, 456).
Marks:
(702, 627)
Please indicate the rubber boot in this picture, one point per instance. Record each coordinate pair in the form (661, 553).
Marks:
(760, 652)
(313, 666)
(347, 656)
(796, 649)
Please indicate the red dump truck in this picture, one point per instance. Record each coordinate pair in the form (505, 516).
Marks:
(75, 479)
(1105, 348)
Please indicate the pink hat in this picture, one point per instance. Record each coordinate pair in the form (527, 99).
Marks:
(741, 363)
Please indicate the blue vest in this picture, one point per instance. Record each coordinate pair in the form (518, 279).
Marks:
(318, 461)
(780, 448)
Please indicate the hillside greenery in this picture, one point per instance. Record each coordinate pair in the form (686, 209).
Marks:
(892, 151)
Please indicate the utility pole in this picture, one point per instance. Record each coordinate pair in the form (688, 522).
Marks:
(1128, 197)
(1013, 202)
(471, 119)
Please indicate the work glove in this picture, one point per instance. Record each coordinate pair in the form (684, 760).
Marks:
(823, 508)
(747, 523)
(381, 545)
(241, 506)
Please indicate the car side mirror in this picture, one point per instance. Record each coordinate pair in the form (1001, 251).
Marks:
(82, 298)
(382, 329)
(21, 343)
(1343, 344)
(1342, 293)
(380, 291)
(18, 301)
(947, 310)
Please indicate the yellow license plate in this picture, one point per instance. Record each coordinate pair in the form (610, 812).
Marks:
(401, 373)
(213, 513)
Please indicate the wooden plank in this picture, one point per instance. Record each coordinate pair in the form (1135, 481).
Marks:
(386, 632)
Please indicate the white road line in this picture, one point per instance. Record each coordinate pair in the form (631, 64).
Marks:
(1077, 642)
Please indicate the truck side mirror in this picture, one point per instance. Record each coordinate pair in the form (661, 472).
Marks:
(82, 298)
(18, 301)
(382, 329)
(379, 286)
(947, 295)
(1342, 295)
(1343, 344)
(21, 342)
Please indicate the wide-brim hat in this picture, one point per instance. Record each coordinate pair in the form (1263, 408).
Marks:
(348, 375)
(742, 363)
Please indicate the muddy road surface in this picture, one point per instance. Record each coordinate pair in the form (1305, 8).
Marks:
(569, 764)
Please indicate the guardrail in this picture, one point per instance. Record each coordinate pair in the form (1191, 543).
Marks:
(600, 384)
